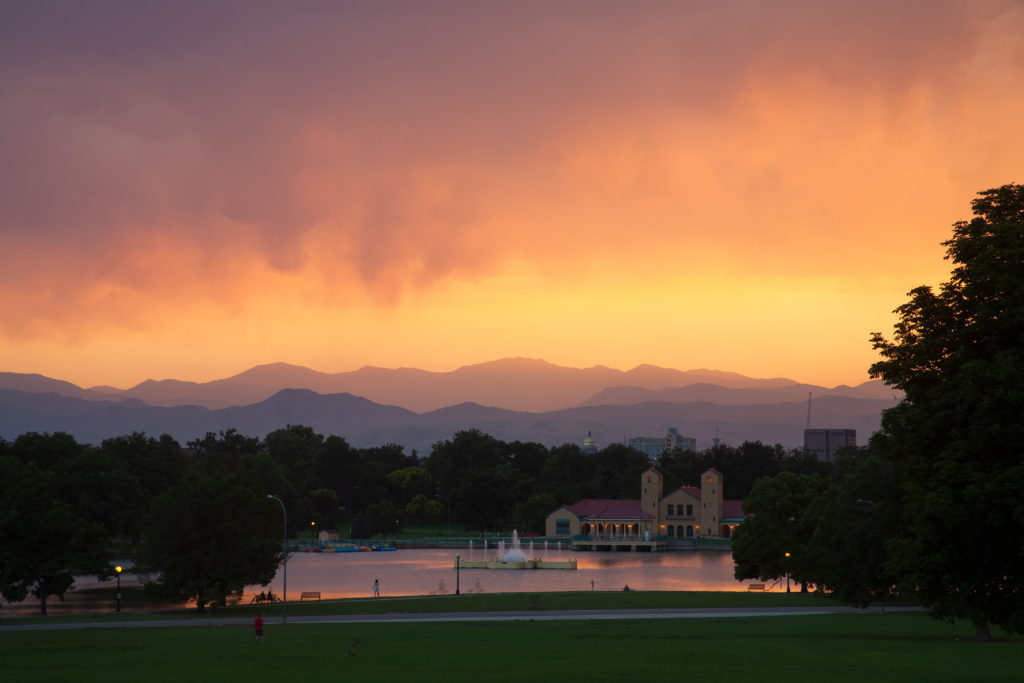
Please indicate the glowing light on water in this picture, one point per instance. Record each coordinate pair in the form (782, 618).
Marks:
(430, 572)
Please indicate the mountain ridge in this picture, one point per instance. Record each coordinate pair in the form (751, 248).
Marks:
(514, 383)
(364, 423)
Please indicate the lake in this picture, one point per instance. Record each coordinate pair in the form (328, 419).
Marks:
(432, 572)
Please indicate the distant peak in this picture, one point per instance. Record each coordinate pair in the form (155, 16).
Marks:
(516, 363)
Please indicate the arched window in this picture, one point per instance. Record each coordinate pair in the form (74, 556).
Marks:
(689, 532)
(679, 531)
(671, 530)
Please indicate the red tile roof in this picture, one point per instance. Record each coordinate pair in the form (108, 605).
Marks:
(608, 508)
(732, 509)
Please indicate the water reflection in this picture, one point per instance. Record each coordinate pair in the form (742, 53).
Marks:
(432, 572)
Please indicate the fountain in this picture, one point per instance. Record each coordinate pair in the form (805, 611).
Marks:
(515, 554)
(515, 558)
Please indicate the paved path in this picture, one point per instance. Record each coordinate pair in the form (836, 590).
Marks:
(553, 615)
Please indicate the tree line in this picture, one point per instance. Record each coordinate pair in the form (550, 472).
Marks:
(197, 517)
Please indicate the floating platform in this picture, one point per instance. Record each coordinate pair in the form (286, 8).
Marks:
(535, 563)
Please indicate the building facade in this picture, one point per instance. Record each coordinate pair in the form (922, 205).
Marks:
(687, 512)
(654, 446)
(824, 442)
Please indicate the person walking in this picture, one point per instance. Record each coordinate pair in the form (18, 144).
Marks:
(376, 588)
(258, 624)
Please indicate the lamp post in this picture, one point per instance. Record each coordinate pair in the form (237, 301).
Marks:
(118, 569)
(787, 572)
(312, 535)
(284, 590)
(458, 563)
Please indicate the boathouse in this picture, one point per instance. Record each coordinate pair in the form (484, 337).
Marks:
(652, 521)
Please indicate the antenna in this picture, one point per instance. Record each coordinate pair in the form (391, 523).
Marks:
(808, 410)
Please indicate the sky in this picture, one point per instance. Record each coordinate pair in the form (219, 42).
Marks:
(188, 189)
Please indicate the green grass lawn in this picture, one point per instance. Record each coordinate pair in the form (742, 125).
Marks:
(847, 647)
(894, 647)
(475, 602)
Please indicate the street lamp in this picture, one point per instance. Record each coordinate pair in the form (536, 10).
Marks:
(284, 590)
(458, 563)
(118, 569)
(312, 534)
(787, 572)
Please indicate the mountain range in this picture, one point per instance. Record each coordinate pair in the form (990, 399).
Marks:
(511, 399)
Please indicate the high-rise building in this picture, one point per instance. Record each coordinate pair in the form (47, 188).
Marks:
(825, 442)
(654, 446)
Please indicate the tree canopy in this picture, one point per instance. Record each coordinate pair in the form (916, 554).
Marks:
(956, 437)
(45, 538)
(775, 541)
(209, 538)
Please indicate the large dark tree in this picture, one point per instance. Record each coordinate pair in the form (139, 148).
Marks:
(383, 517)
(209, 537)
(43, 543)
(297, 449)
(775, 541)
(153, 464)
(849, 546)
(956, 437)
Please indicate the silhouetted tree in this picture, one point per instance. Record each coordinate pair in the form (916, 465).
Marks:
(785, 511)
(958, 356)
(43, 543)
(849, 546)
(209, 537)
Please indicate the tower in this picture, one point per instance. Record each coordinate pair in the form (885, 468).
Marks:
(651, 487)
(711, 503)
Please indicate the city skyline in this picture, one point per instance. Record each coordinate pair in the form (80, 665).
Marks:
(190, 191)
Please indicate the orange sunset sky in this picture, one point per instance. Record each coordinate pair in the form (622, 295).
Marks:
(192, 188)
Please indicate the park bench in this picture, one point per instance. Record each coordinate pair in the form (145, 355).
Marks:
(309, 595)
(755, 586)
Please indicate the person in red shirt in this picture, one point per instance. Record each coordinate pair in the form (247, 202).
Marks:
(258, 623)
